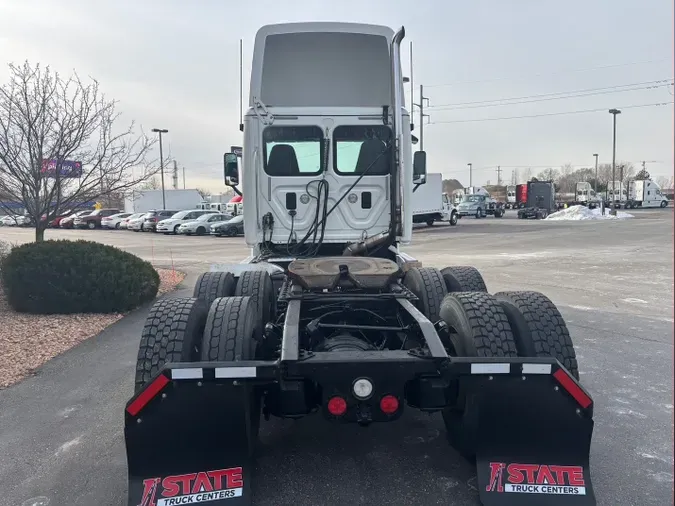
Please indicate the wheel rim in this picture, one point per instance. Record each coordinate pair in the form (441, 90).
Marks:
(91, 224)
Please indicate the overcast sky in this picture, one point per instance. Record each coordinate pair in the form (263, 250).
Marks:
(174, 64)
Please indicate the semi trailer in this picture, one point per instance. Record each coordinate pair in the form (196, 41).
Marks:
(329, 317)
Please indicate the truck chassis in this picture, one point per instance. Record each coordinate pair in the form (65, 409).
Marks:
(358, 340)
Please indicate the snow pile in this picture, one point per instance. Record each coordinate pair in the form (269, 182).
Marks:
(584, 213)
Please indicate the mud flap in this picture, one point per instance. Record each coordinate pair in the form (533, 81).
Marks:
(532, 441)
(192, 443)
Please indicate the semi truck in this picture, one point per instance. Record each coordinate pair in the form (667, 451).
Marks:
(430, 204)
(476, 201)
(329, 317)
(540, 200)
(511, 197)
(644, 193)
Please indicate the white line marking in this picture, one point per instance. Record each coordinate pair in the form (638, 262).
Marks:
(192, 373)
(236, 372)
(536, 368)
(490, 368)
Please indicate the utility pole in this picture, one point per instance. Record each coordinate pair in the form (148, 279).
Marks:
(183, 178)
(596, 173)
(422, 115)
(513, 178)
(499, 175)
(161, 131)
(470, 174)
(175, 175)
(614, 112)
(412, 92)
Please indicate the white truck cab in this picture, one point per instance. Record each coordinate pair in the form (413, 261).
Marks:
(326, 160)
(585, 195)
(645, 193)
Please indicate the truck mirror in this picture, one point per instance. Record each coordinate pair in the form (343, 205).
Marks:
(231, 163)
(420, 167)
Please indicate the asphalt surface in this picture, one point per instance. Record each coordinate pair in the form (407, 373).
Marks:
(62, 430)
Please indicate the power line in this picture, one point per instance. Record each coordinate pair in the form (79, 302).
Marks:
(552, 96)
(550, 74)
(584, 111)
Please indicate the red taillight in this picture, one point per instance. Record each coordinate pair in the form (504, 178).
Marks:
(337, 406)
(389, 404)
(147, 395)
(574, 390)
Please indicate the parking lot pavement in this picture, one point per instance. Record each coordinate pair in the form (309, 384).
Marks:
(62, 429)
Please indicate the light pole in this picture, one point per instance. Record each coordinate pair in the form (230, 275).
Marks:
(596, 173)
(614, 112)
(470, 174)
(161, 131)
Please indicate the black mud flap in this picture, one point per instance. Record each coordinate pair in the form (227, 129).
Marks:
(532, 440)
(189, 442)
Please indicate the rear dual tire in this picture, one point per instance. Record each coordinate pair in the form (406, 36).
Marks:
(509, 324)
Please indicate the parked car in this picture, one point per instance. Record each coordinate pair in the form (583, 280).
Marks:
(230, 228)
(13, 220)
(125, 221)
(56, 222)
(56, 219)
(202, 225)
(93, 219)
(68, 221)
(170, 225)
(154, 217)
(18, 220)
(114, 221)
(136, 224)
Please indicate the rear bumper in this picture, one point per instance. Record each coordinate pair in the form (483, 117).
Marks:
(526, 413)
(426, 383)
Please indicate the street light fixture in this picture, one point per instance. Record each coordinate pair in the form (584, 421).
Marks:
(596, 173)
(161, 131)
(614, 112)
(470, 174)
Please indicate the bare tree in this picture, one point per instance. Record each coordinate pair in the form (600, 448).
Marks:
(665, 182)
(151, 183)
(60, 146)
(204, 193)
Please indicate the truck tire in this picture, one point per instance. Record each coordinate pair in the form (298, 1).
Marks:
(429, 287)
(172, 333)
(463, 279)
(258, 285)
(538, 327)
(479, 213)
(454, 217)
(664, 203)
(480, 329)
(229, 337)
(430, 222)
(212, 285)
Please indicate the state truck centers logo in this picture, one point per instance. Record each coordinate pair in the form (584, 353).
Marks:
(193, 488)
(536, 479)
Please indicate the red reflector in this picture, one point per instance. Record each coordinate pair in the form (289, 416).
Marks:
(337, 406)
(573, 389)
(147, 395)
(389, 404)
